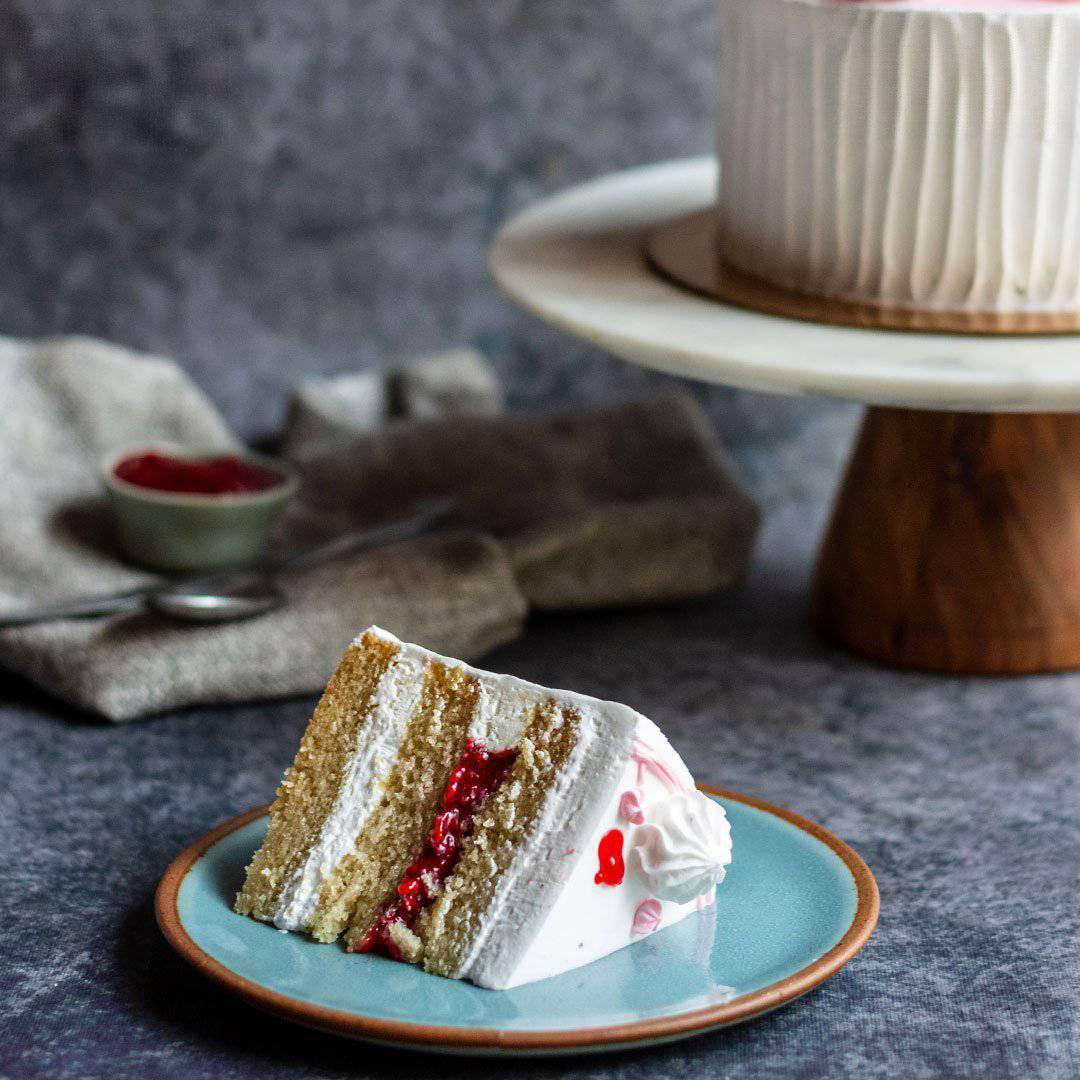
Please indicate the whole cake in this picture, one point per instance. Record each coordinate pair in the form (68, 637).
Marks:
(913, 153)
(481, 826)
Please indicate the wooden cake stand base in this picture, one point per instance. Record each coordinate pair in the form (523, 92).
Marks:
(954, 543)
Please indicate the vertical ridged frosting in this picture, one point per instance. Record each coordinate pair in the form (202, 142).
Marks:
(903, 153)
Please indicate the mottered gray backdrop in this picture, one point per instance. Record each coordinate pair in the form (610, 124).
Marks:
(271, 189)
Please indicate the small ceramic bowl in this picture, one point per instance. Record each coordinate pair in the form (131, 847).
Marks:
(179, 531)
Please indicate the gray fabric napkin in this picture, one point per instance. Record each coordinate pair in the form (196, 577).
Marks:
(605, 506)
(595, 507)
(66, 403)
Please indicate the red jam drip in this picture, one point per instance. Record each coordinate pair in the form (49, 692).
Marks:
(612, 867)
(477, 775)
(223, 475)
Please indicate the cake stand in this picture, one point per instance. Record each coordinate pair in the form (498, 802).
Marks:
(954, 542)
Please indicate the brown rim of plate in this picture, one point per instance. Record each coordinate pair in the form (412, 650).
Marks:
(685, 251)
(483, 1039)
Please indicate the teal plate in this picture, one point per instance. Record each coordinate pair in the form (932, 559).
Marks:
(796, 905)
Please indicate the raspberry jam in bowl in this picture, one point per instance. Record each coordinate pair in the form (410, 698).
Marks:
(224, 474)
(182, 509)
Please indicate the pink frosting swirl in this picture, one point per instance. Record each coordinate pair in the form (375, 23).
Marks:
(647, 917)
(630, 808)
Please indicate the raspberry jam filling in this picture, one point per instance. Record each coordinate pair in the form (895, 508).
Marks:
(222, 475)
(477, 775)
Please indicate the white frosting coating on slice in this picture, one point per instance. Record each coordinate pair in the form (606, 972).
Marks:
(395, 700)
(589, 920)
(910, 153)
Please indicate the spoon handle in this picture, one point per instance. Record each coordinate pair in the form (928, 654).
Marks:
(77, 609)
(427, 516)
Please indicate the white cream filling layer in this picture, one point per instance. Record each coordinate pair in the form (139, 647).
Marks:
(395, 701)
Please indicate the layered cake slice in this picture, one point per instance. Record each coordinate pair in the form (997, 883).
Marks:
(478, 825)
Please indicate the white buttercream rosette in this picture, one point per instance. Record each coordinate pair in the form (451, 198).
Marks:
(683, 848)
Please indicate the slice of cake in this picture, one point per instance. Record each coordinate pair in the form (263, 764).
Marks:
(481, 826)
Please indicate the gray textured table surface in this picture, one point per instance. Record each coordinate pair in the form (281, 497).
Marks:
(302, 188)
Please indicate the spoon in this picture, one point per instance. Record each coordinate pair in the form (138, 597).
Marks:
(237, 594)
(235, 599)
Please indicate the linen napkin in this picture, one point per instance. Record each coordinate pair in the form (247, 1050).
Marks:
(604, 506)
(629, 503)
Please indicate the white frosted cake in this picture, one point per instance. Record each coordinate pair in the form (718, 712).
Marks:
(481, 826)
(914, 153)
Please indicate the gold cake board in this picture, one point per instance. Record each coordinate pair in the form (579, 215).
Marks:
(685, 251)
